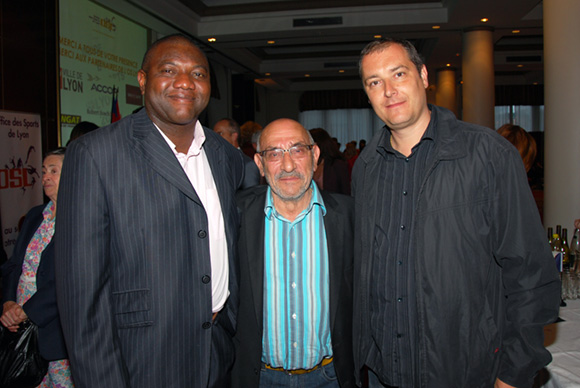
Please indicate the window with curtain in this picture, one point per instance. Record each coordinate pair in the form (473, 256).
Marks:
(344, 124)
(529, 117)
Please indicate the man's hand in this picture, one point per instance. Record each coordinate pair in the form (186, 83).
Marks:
(501, 384)
(12, 316)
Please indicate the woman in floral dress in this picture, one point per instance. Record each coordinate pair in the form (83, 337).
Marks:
(28, 279)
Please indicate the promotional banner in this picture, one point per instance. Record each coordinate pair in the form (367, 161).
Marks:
(100, 53)
(21, 171)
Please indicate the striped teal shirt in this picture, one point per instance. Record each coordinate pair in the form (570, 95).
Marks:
(296, 292)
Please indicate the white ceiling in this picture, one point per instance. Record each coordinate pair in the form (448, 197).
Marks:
(242, 29)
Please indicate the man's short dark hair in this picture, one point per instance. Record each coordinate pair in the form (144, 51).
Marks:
(384, 43)
(147, 56)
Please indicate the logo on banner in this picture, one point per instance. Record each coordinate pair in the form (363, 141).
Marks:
(71, 80)
(107, 23)
(18, 173)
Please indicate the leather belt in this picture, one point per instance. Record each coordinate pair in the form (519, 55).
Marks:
(324, 362)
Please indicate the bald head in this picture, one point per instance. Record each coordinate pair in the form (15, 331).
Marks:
(280, 125)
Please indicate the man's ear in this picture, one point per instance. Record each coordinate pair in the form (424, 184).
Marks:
(258, 161)
(142, 78)
(316, 155)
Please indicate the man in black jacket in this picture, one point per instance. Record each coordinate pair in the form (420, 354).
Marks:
(295, 315)
(454, 279)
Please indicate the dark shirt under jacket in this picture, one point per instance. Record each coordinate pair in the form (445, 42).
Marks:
(397, 338)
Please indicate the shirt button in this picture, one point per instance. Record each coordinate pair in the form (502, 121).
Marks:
(404, 192)
(402, 227)
(205, 279)
(295, 344)
(293, 285)
(293, 316)
(206, 325)
(202, 234)
(293, 254)
(407, 160)
(400, 262)
(399, 299)
(399, 335)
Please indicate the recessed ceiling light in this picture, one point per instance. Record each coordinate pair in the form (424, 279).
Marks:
(341, 71)
(484, 20)
(211, 40)
(449, 65)
(267, 74)
(306, 75)
(515, 31)
(271, 41)
(378, 36)
(520, 65)
(436, 27)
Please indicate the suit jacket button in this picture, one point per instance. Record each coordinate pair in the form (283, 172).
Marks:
(206, 325)
(202, 234)
(205, 279)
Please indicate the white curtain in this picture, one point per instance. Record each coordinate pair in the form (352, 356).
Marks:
(530, 118)
(344, 124)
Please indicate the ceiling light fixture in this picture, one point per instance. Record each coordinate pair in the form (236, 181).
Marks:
(436, 27)
(484, 20)
(341, 71)
(515, 31)
(520, 65)
(267, 74)
(306, 75)
(271, 41)
(378, 36)
(211, 40)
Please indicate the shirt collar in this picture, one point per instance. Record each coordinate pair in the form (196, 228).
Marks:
(196, 144)
(316, 199)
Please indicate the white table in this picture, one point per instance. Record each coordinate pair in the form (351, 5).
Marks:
(563, 340)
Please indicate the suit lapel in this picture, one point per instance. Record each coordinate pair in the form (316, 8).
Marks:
(253, 228)
(333, 225)
(160, 157)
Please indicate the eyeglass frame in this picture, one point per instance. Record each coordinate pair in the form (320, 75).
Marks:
(287, 150)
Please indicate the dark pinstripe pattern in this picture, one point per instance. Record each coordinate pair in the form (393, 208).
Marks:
(132, 255)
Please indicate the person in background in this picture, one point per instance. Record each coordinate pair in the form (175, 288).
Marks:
(146, 240)
(248, 130)
(523, 141)
(230, 130)
(454, 279)
(350, 153)
(29, 290)
(361, 145)
(295, 316)
(81, 129)
(577, 223)
(332, 173)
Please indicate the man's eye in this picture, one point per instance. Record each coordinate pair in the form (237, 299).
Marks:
(199, 75)
(274, 153)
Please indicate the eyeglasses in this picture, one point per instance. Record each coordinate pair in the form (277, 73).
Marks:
(299, 151)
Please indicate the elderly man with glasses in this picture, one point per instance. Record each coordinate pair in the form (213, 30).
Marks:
(296, 251)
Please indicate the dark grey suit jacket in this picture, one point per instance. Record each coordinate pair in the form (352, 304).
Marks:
(133, 270)
(338, 223)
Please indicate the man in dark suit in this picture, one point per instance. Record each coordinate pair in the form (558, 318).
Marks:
(230, 130)
(296, 251)
(145, 241)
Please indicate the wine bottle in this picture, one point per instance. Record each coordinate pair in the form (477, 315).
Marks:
(557, 251)
(550, 235)
(565, 250)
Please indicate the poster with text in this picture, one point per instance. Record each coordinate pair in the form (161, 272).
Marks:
(20, 171)
(100, 51)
